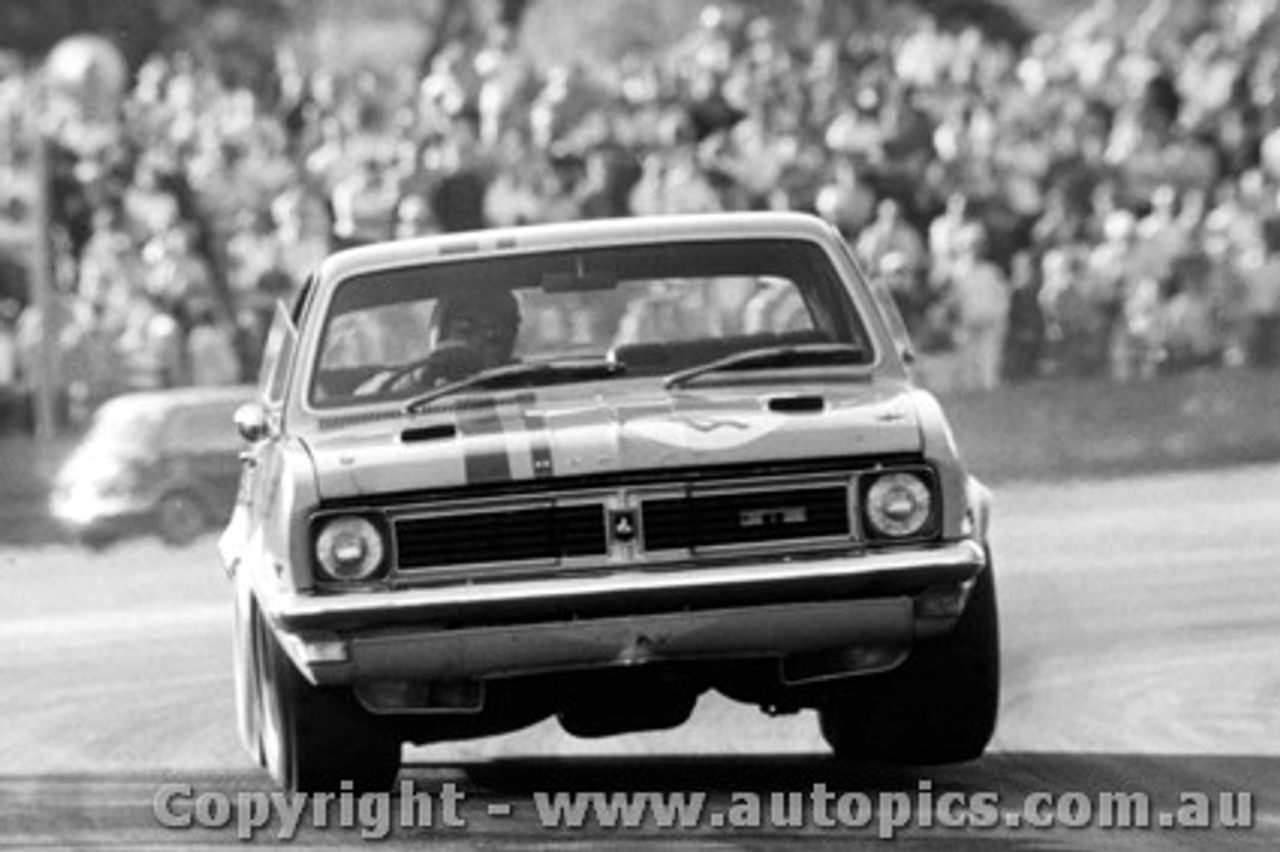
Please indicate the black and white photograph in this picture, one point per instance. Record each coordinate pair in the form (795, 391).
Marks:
(640, 424)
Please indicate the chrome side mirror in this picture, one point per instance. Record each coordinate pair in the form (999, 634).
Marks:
(251, 422)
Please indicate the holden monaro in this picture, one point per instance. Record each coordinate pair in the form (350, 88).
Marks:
(592, 471)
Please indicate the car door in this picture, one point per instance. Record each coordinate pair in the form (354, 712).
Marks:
(259, 423)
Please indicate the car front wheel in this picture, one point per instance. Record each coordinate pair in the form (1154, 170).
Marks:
(939, 706)
(314, 738)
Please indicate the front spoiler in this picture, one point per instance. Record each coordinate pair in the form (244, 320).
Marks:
(619, 618)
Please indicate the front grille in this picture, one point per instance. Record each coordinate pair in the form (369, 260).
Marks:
(712, 520)
(545, 533)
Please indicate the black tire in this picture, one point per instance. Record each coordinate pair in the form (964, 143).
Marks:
(180, 518)
(314, 739)
(940, 706)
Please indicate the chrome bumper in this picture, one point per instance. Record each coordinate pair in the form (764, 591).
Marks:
(621, 618)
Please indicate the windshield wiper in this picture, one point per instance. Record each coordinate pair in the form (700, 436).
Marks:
(799, 355)
(514, 375)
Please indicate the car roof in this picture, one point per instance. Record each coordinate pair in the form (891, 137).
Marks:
(579, 234)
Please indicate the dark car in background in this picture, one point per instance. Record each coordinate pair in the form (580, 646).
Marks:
(155, 462)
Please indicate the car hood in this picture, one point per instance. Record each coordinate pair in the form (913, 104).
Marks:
(519, 437)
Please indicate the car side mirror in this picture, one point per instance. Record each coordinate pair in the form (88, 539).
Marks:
(251, 422)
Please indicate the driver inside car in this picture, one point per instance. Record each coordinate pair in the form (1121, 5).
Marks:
(484, 321)
(472, 330)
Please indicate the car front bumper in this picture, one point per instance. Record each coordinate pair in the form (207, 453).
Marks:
(768, 609)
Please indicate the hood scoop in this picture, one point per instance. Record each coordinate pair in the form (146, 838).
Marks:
(798, 404)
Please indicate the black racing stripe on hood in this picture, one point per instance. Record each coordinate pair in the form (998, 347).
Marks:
(484, 461)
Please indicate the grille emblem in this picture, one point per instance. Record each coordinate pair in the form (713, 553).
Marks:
(623, 524)
(780, 517)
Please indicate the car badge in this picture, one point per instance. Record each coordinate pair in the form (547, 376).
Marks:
(623, 524)
(779, 517)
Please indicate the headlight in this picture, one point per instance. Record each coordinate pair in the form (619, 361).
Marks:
(349, 548)
(898, 505)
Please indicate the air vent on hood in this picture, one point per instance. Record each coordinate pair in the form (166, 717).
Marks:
(806, 404)
(437, 432)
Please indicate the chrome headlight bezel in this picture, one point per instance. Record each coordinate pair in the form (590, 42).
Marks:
(900, 505)
(350, 548)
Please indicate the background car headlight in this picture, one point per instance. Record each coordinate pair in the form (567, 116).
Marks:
(349, 548)
(899, 505)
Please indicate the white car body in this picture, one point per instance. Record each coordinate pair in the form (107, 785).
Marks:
(605, 538)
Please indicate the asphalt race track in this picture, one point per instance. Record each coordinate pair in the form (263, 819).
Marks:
(1142, 655)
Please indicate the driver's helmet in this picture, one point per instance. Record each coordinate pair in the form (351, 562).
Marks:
(483, 317)
(476, 325)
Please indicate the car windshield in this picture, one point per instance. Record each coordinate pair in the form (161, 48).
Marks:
(646, 310)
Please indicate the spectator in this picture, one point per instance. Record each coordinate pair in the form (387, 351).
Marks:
(611, 174)
(1111, 275)
(1040, 146)
(889, 235)
(775, 308)
(846, 200)
(149, 204)
(981, 293)
(211, 350)
(945, 236)
(458, 201)
(252, 251)
(663, 313)
(94, 368)
(1161, 236)
(1188, 330)
(303, 227)
(175, 271)
(364, 203)
(1141, 343)
(1075, 320)
(1262, 303)
(1024, 339)
(151, 345)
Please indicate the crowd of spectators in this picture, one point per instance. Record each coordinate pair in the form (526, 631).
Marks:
(1102, 202)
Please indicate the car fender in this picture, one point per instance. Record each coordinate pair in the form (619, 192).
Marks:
(966, 500)
(265, 547)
